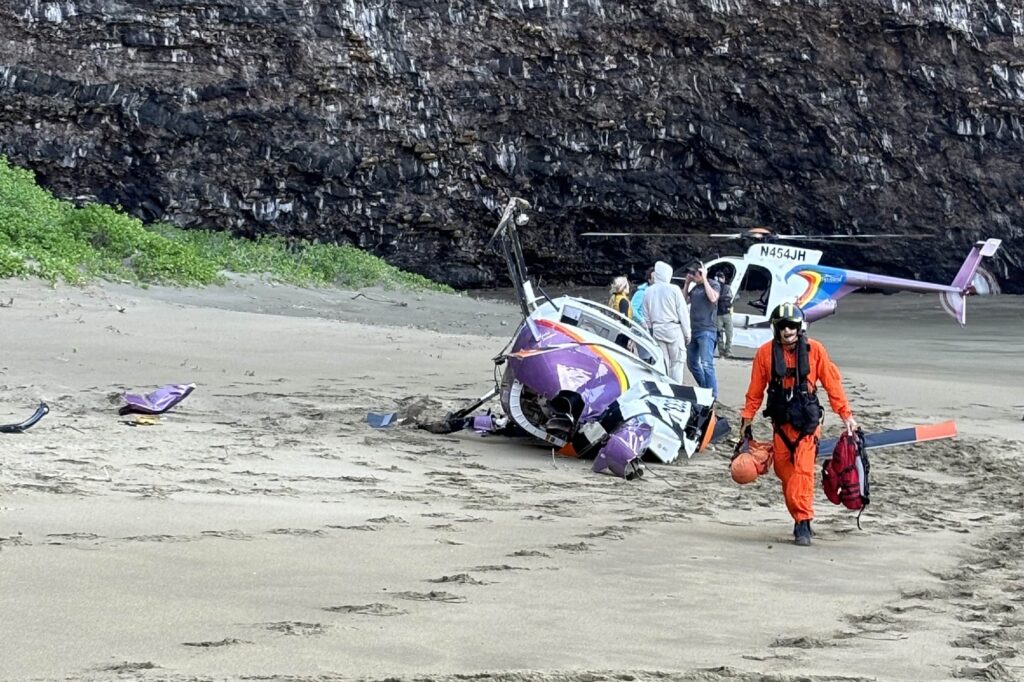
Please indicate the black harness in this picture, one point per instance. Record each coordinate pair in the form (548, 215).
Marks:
(796, 406)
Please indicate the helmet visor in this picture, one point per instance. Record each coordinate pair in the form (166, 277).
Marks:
(788, 324)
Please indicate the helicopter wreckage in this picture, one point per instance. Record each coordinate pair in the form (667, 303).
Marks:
(586, 380)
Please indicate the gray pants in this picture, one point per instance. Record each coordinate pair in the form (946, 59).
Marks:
(723, 323)
(675, 358)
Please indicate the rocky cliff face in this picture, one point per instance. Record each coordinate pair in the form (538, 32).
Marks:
(401, 125)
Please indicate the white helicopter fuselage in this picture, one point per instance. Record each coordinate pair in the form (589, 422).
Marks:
(759, 282)
(770, 274)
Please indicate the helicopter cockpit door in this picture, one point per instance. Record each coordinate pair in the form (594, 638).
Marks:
(753, 297)
(752, 303)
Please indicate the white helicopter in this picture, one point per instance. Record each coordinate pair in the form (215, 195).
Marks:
(770, 273)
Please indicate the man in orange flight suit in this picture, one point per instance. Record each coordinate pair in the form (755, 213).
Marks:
(794, 448)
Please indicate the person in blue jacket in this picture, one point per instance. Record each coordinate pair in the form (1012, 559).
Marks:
(638, 297)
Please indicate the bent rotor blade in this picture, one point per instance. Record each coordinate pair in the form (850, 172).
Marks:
(896, 437)
(40, 412)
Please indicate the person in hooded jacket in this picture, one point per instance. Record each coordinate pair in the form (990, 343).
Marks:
(794, 409)
(668, 319)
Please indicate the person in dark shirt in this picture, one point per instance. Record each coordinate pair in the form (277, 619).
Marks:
(701, 294)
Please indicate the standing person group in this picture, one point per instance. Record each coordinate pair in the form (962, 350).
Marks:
(682, 321)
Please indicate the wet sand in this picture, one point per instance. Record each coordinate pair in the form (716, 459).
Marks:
(262, 530)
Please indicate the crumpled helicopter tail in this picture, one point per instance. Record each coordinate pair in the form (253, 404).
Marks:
(971, 280)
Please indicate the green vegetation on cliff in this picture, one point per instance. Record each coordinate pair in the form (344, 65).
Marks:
(45, 237)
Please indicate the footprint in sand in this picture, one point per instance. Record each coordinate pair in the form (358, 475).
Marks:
(900, 609)
(130, 667)
(611, 533)
(226, 534)
(390, 518)
(530, 552)
(159, 538)
(473, 519)
(363, 527)
(573, 547)
(992, 671)
(227, 641)
(460, 578)
(975, 639)
(291, 627)
(500, 567)
(71, 536)
(445, 597)
(799, 643)
(298, 532)
(375, 609)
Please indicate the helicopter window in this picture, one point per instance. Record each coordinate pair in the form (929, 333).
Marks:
(588, 321)
(570, 315)
(754, 291)
(600, 321)
(725, 269)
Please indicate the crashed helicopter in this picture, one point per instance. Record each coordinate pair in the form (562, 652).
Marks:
(585, 380)
(778, 268)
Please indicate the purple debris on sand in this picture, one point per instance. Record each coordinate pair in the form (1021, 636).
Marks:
(621, 454)
(157, 402)
(483, 423)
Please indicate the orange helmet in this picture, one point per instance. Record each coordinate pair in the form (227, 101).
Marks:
(744, 469)
(752, 460)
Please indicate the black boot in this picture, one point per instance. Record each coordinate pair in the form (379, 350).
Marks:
(802, 533)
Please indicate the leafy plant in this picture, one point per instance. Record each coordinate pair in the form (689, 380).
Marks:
(45, 237)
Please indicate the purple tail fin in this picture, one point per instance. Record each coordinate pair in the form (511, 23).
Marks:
(955, 302)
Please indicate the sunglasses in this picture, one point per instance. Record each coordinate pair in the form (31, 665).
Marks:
(788, 325)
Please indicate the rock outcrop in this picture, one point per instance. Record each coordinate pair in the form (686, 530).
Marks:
(401, 125)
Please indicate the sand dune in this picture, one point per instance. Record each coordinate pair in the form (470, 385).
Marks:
(261, 530)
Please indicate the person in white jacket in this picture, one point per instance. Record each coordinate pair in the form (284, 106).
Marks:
(668, 318)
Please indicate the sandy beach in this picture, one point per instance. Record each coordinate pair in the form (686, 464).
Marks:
(262, 530)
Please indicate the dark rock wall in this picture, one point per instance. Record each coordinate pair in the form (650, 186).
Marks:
(401, 125)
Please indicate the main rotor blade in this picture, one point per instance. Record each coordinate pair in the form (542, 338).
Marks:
(644, 234)
(768, 237)
(839, 237)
